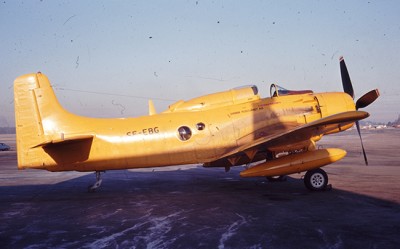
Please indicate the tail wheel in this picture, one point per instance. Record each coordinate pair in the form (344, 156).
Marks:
(316, 180)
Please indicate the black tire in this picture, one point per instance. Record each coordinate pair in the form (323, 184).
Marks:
(316, 180)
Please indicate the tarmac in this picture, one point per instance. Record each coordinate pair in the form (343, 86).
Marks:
(194, 207)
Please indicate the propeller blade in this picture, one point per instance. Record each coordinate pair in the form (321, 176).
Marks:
(367, 99)
(346, 82)
(362, 145)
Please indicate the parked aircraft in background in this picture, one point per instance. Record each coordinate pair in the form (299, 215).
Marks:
(237, 127)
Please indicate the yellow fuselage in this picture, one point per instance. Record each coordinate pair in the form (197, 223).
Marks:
(217, 127)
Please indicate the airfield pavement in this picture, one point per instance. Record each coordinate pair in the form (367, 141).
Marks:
(194, 207)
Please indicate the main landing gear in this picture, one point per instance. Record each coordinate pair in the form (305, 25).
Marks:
(316, 180)
(96, 185)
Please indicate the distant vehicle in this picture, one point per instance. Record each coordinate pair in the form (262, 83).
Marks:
(4, 147)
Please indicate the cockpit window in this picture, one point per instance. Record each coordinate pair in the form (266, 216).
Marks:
(253, 87)
(276, 91)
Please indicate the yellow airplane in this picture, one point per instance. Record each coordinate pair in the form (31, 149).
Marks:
(223, 129)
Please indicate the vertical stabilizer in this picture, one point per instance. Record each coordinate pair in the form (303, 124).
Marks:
(35, 107)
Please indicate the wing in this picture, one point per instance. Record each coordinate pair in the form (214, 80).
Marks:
(298, 135)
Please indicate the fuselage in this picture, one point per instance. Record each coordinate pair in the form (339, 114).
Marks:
(177, 136)
(273, 136)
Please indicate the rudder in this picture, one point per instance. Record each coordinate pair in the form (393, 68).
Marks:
(34, 101)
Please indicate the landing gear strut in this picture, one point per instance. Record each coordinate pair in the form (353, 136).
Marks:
(96, 185)
(316, 180)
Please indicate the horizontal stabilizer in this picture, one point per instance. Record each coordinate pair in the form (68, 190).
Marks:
(64, 139)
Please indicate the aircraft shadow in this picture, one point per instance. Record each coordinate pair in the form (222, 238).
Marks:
(196, 208)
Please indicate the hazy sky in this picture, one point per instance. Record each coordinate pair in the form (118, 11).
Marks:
(105, 58)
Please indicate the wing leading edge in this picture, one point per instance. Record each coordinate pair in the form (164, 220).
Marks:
(302, 133)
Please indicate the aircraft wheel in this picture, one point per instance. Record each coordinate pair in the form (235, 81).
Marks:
(316, 180)
(276, 178)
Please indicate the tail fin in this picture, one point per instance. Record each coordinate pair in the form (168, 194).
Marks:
(36, 108)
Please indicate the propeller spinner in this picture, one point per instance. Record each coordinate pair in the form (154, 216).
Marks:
(362, 102)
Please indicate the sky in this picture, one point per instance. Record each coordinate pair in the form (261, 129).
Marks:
(107, 58)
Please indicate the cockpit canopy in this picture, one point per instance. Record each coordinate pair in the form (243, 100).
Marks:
(277, 91)
(231, 97)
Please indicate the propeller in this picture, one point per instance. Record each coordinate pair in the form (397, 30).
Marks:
(367, 99)
(346, 82)
(362, 102)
